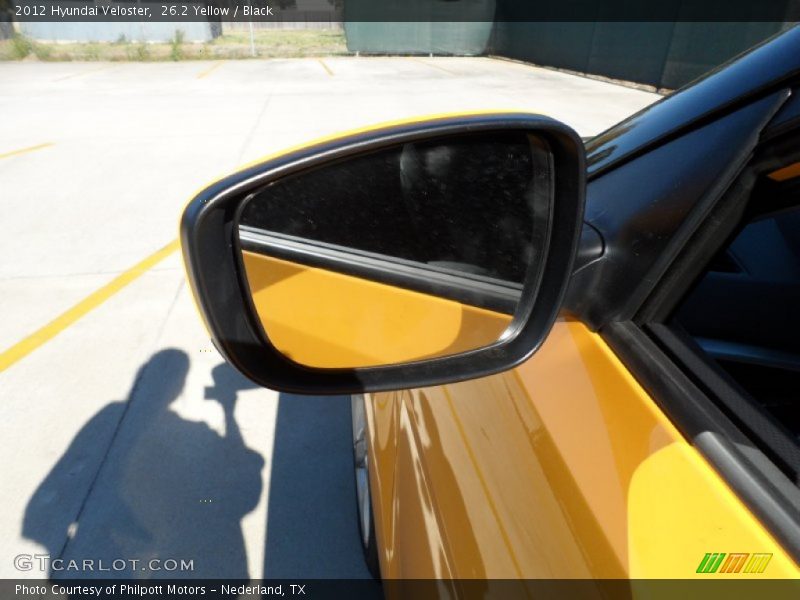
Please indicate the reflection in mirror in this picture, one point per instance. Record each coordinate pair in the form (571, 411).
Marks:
(415, 251)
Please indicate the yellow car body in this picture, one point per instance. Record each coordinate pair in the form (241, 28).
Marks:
(561, 468)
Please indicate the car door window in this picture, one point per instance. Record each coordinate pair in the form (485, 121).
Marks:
(744, 311)
(460, 206)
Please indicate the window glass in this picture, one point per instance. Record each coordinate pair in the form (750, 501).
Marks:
(466, 204)
(745, 313)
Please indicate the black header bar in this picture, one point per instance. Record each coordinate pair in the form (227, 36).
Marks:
(404, 10)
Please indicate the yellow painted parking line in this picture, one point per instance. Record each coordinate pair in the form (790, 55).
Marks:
(325, 66)
(210, 70)
(432, 65)
(26, 150)
(89, 72)
(44, 334)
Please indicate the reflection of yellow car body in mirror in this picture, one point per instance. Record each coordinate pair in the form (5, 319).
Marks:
(321, 318)
(433, 239)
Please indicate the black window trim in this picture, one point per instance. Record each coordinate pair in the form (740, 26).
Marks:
(692, 394)
(468, 288)
(753, 475)
(730, 397)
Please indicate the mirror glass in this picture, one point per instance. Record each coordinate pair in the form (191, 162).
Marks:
(414, 251)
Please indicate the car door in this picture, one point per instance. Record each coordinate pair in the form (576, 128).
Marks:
(562, 468)
(600, 456)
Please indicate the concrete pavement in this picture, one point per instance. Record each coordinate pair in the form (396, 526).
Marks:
(125, 435)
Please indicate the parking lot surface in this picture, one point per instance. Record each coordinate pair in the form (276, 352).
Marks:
(124, 433)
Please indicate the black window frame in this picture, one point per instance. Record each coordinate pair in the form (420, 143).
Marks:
(467, 288)
(698, 395)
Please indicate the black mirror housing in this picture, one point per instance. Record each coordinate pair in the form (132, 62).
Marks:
(212, 254)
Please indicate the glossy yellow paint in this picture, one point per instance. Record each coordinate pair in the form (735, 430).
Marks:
(561, 468)
(320, 318)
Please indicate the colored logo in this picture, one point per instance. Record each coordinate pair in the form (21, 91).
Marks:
(719, 562)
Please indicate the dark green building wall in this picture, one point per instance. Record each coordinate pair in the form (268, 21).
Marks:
(664, 55)
(444, 38)
(455, 27)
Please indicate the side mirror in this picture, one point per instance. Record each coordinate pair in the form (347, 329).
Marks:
(407, 256)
